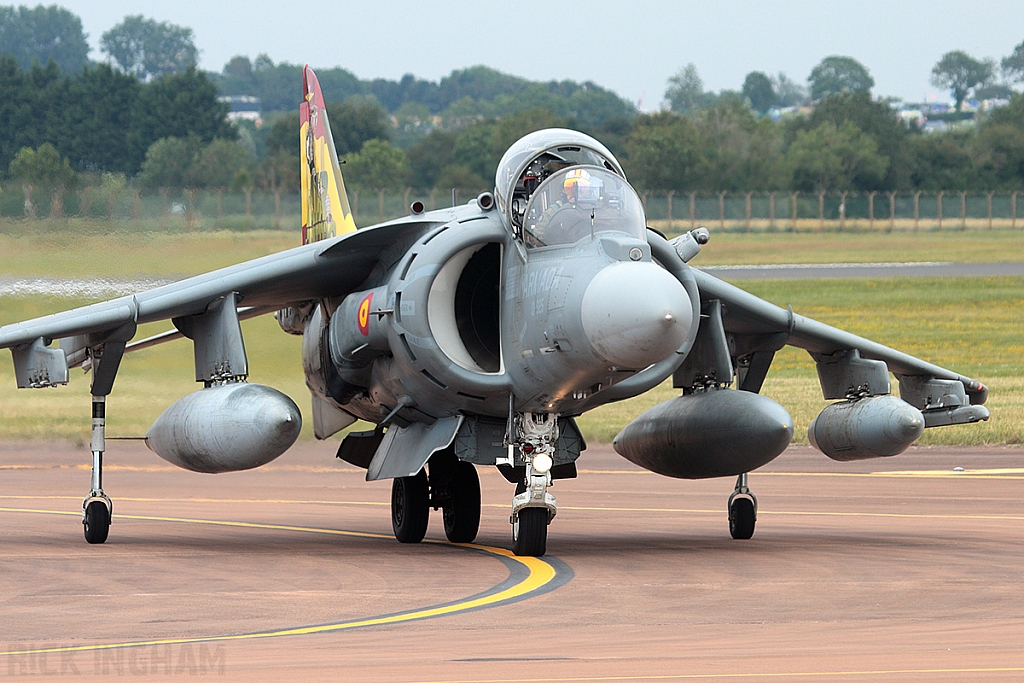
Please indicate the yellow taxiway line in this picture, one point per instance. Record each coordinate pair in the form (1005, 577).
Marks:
(539, 574)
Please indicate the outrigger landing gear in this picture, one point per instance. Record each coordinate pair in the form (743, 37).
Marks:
(533, 507)
(742, 510)
(96, 508)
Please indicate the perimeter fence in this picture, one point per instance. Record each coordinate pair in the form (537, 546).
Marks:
(188, 210)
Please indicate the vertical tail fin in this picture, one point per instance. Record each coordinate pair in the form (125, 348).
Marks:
(325, 207)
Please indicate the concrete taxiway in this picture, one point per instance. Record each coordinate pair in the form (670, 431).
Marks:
(900, 569)
(790, 271)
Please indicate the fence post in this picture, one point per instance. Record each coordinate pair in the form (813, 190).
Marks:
(1013, 210)
(917, 208)
(670, 193)
(57, 203)
(248, 207)
(771, 211)
(871, 210)
(277, 208)
(190, 216)
(136, 203)
(821, 211)
(963, 209)
(793, 201)
(746, 224)
(721, 210)
(380, 205)
(355, 206)
(990, 209)
(433, 199)
(941, 192)
(405, 200)
(220, 205)
(842, 211)
(892, 211)
(30, 208)
(693, 210)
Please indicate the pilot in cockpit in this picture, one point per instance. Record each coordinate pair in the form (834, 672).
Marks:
(565, 215)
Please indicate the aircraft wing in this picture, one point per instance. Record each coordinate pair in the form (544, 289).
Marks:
(328, 268)
(756, 329)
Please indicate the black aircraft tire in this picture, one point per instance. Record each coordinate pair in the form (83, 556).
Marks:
(742, 518)
(530, 532)
(462, 515)
(410, 507)
(97, 522)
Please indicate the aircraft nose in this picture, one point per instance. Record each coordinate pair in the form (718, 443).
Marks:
(635, 314)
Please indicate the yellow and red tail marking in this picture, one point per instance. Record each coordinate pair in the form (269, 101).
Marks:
(325, 207)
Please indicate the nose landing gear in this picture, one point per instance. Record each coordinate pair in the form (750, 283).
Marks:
(533, 507)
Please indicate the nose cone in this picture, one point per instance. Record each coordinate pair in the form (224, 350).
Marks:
(636, 314)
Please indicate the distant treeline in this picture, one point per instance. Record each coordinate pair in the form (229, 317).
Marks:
(101, 119)
(465, 93)
(171, 131)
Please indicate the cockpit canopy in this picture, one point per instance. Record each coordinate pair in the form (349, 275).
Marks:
(579, 202)
(535, 157)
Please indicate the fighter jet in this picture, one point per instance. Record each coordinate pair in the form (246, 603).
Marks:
(473, 336)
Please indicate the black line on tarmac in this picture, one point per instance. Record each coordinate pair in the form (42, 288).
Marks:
(519, 572)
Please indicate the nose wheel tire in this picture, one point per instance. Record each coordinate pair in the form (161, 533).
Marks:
(96, 522)
(410, 507)
(530, 532)
(462, 513)
(742, 518)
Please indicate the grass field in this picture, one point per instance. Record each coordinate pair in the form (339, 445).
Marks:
(151, 253)
(971, 325)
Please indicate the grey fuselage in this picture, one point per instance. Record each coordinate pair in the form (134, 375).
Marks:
(462, 315)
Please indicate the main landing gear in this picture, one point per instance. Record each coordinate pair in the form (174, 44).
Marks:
(97, 508)
(452, 486)
(742, 510)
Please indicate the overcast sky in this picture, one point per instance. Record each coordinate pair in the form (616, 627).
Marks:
(631, 47)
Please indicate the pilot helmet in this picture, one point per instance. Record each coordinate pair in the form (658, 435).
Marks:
(580, 186)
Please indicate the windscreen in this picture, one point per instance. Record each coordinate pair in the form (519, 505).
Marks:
(578, 203)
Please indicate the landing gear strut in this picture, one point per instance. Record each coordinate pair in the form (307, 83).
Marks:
(742, 510)
(97, 508)
(533, 507)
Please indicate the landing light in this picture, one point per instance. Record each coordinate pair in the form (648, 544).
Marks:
(542, 463)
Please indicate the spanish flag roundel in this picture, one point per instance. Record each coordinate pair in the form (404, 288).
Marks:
(364, 315)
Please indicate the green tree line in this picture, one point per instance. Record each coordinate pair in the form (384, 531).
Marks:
(151, 116)
(849, 142)
(100, 118)
(463, 94)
